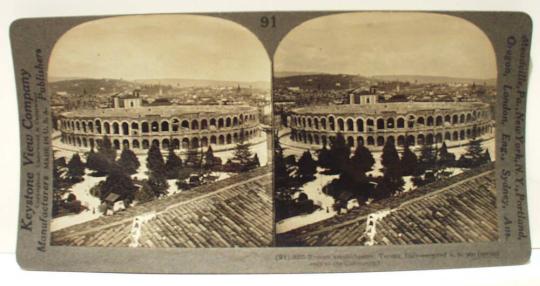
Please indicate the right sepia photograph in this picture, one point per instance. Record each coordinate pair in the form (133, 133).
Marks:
(385, 131)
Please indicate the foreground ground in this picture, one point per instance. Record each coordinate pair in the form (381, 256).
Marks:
(459, 209)
(235, 212)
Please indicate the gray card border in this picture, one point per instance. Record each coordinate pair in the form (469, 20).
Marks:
(30, 35)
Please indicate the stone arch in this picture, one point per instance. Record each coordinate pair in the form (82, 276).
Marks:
(228, 122)
(323, 123)
(455, 119)
(221, 123)
(125, 128)
(316, 139)
(462, 118)
(380, 141)
(324, 140)
(155, 142)
(116, 144)
(455, 136)
(134, 126)
(165, 143)
(221, 140)
(309, 122)
(462, 135)
(184, 124)
(213, 123)
(380, 125)
(447, 136)
(175, 124)
(213, 139)
(107, 127)
(83, 124)
(228, 138)
(154, 126)
(438, 138)
(421, 121)
(185, 143)
(360, 140)
(469, 118)
(410, 140)
(400, 122)
(116, 128)
(84, 142)
(350, 125)
(331, 123)
(98, 126)
(390, 123)
(235, 121)
(165, 126)
(341, 124)
(235, 137)
(370, 141)
(350, 141)
(194, 124)
(125, 144)
(447, 119)
(430, 121)
(370, 124)
(401, 140)
(145, 144)
(429, 138)
(316, 123)
(145, 127)
(204, 124)
(176, 144)
(439, 120)
(78, 125)
(135, 144)
(360, 125)
(421, 140)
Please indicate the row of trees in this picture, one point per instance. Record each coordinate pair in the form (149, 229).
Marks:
(354, 180)
(118, 170)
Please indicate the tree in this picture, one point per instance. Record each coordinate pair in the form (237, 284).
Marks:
(75, 168)
(392, 181)
(154, 161)
(242, 155)
(428, 157)
(339, 154)
(362, 159)
(324, 160)
(409, 162)
(255, 161)
(307, 167)
(390, 156)
(446, 158)
(173, 165)
(120, 183)
(129, 161)
(211, 161)
(194, 158)
(144, 193)
(106, 149)
(475, 152)
(98, 163)
(158, 184)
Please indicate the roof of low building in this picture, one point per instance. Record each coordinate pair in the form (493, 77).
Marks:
(234, 212)
(460, 209)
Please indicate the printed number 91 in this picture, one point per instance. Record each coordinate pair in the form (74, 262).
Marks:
(268, 21)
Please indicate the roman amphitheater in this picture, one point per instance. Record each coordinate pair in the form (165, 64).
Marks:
(371, 123)
(180, 127)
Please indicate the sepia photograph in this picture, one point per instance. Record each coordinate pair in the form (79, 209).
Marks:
(160, 127)
(384, 131)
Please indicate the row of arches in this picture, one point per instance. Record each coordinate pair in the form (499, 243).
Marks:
(380, 140)
(98, 126)
(333, 123)
(165, 143)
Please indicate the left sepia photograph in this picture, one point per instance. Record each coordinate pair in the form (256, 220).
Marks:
(161, 134)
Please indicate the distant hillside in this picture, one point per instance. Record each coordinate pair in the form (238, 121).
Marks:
(433, 79)
(91, 86)
(292, 73)
(321, 81)
(179, 82)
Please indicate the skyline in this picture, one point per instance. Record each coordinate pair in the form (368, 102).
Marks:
(383, 44)
(160, 46)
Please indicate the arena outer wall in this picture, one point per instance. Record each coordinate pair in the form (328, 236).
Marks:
(372, 125)
(181, 127)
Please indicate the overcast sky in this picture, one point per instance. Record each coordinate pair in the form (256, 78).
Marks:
(160, 46)
(388, 44)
